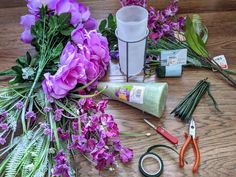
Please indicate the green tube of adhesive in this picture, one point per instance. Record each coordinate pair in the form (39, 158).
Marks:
(148, 97)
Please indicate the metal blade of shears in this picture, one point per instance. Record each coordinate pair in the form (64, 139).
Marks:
(192, 128)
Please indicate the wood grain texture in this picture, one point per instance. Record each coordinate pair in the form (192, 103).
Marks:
(217, 131)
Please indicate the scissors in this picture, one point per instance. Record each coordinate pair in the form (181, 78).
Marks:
(190, 138)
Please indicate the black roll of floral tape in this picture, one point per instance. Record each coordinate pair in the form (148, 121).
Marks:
(153, 156)
(156, 157)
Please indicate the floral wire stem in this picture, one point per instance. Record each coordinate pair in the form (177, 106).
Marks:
(79, 122)
(38, 108)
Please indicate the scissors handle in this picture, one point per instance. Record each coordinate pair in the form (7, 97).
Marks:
(196, 154)
(184, 149)
(196, 151)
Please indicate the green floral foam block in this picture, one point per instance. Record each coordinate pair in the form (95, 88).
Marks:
(148, 97)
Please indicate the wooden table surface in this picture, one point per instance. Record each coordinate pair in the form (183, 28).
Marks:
(217, 131)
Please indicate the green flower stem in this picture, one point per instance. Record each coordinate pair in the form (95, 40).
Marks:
(86, 96)
(79, 124)
(23, 117)
(54, 128)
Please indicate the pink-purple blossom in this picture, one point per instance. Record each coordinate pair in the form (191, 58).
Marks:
(35, 5)
(30, 115)
(62, 134)
(58, 114)
(142, 3)
(102, 105)
(80, 14)
(79, 64)
(126, 155)
(27, 21)
(161, 23)
(19, 105)
(86, 104)
(3, 115)
(83, 144)
(99, 136)
(4, 126)
(109, 128)
(103, 158)
(47, 109)
(26, 36)
(2, 141)
(47, 131)
(61, 167)
(78, 35)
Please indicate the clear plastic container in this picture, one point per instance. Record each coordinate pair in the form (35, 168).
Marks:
(132, 26)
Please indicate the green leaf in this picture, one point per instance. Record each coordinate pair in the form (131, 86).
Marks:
(64, 18)
(53, 22)
(22, 62)
(57, 50)
(67, 31)
(195, 62)
(17, 69)
(16, 80)
(111, 21)
(40, 98)
(28, 58)
(43, 11)
(8, 72)
(200, 28)
(102, 25)
(37, 30)
(194, 40)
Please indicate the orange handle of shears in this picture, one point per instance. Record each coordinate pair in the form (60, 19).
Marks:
(195, 150)
(183, 150)
(196, 154)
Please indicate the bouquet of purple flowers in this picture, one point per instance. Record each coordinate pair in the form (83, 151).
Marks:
(51, 96)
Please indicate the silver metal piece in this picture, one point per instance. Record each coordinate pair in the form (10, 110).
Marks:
(150, 124)
(192, 128)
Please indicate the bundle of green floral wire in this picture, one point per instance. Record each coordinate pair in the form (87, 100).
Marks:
(187, 106)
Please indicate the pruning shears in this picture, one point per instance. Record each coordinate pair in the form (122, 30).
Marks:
(190, 138)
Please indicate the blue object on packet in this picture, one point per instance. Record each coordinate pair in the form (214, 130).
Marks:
(173, 71)
(171, 63)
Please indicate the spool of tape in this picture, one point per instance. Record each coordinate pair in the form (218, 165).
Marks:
(156, 157)
(169, 71)
(143, 169)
